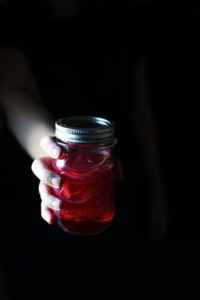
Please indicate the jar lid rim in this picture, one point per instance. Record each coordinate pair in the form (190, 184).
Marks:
(84, 129)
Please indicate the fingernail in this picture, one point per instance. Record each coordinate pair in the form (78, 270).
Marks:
(57, 204)
(56, 181)
(56, 152)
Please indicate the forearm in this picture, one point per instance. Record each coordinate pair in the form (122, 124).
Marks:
(28, 120)
(20, 97)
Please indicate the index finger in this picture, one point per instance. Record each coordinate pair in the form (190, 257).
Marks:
(49, 145)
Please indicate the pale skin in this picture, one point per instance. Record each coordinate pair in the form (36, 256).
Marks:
(33, 127)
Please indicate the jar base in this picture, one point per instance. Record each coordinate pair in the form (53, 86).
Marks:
(83, 228)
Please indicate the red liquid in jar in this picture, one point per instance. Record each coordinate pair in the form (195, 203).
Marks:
(87, 191)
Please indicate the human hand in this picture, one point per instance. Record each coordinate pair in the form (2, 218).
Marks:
(42, 168)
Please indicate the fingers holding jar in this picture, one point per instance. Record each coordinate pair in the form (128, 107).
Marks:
(47, 214)
(48, 203)
(49, 145)
(46, 196)
(42, 169)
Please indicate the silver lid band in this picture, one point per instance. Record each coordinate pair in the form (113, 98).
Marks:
(85, 129)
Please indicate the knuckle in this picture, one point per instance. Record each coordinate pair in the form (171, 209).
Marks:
(47, 202)
(45, 141)
(36, 163)
(50, 146)
(33, 165)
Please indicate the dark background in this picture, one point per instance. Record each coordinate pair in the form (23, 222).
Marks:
(38, 260)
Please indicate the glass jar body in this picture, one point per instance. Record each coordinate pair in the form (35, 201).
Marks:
(88, 173)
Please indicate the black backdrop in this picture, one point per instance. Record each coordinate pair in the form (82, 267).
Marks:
(34, 254)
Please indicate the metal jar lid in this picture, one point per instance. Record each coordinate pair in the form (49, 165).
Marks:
(85, 129)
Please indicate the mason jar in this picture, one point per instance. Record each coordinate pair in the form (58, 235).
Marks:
(87, 169)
